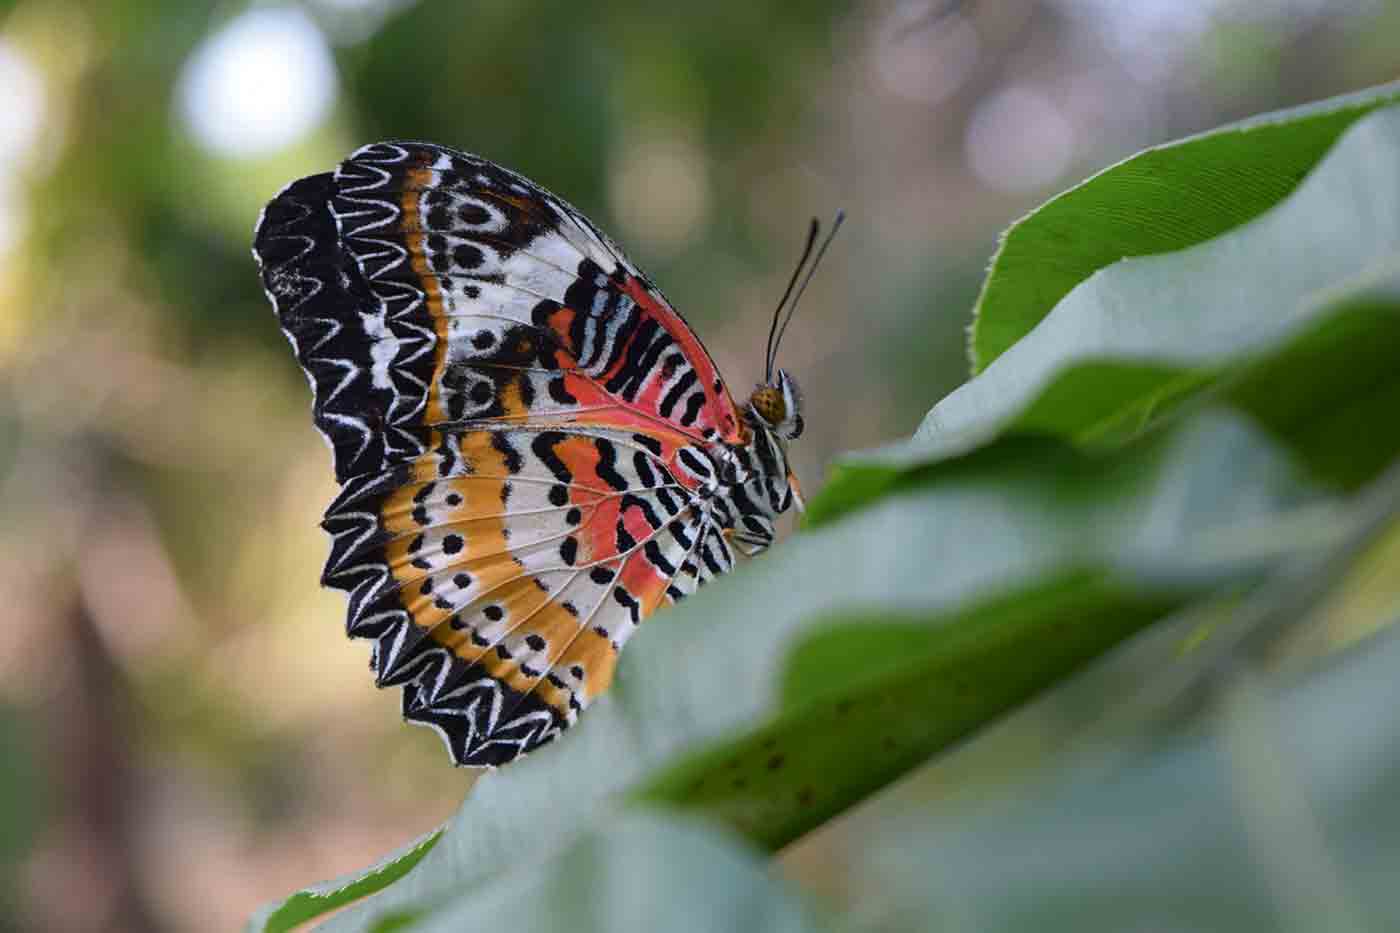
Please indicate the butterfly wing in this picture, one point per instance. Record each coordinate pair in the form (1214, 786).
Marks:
(520, 424)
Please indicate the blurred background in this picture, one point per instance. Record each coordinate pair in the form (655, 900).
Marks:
(184, 733)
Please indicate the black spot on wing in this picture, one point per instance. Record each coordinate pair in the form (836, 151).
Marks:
(681, 386)
(658, 560)
(560, 392)
(642, 464)
(627, 601)
(707, 555)
(649, 442)
(543, 447)
(507, 450)
(692, 408)
(669, 500)
(694, 462)
(679, 531)
(607, 465)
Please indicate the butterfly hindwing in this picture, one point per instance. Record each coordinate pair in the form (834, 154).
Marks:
(519, 421)
(477, 573)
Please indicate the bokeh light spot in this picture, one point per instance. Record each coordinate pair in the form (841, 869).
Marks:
(21, 121)
(259, 84)
(1018, 140)
(923, 53)
(22, 117)
(659, 190)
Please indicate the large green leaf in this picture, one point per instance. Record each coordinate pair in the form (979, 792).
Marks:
(1263, 806)
(1164, 199)
(1205, 306)
(635, 872)
(868, 700)
(964, 565)
(1282, 816)
(1296, 315)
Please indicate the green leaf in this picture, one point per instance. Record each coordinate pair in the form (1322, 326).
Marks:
(1307, 295)
(639, 871)
(1281, 816)
(318, 900)
(1332, 393)
(1114, 540)
(1263, 813)
(848, 729)
(1163, 199)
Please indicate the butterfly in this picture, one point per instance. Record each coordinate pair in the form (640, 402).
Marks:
(534, 451)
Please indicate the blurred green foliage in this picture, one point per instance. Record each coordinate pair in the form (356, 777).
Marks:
(23, 803)
(160, 479)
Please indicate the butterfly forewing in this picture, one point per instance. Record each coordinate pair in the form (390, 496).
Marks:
(519, 421)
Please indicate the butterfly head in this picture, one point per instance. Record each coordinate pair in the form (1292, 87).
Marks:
(778, 406)
(775, 408)
(775, 414)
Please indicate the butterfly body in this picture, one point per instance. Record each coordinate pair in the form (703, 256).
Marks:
(535, 451)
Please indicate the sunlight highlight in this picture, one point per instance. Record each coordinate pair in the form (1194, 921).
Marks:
(21, 122)
(259, 84)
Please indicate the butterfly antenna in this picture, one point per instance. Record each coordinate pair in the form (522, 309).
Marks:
(811, 270)
(778, 311)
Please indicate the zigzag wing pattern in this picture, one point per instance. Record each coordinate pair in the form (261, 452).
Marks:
(524, 431)
(501, 573)
(344, 334)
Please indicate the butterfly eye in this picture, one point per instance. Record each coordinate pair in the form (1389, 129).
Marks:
(769, 403)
